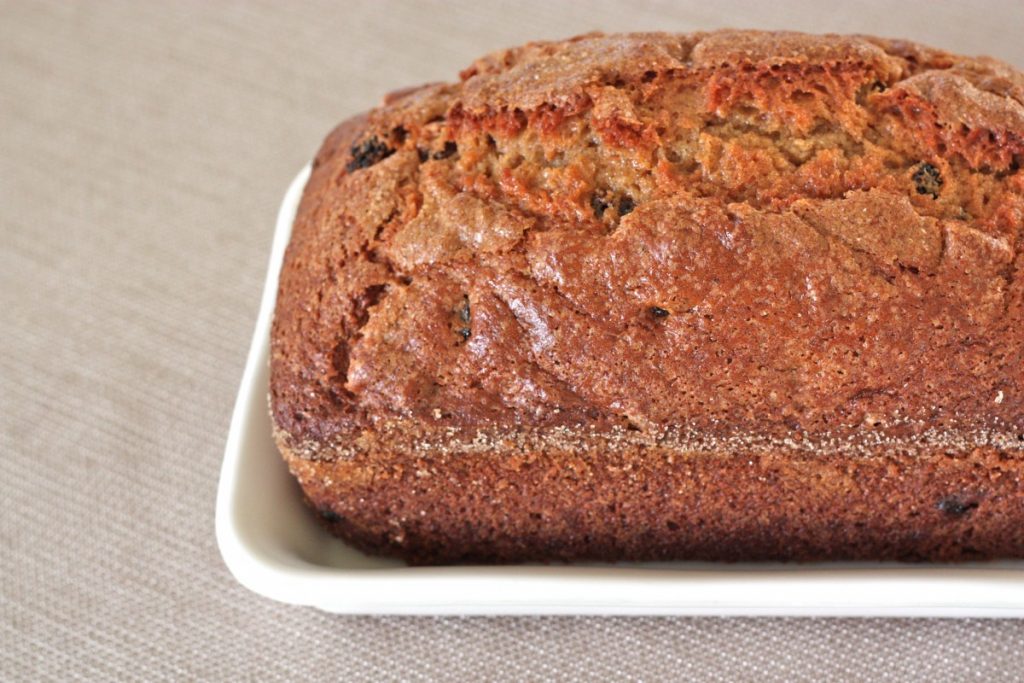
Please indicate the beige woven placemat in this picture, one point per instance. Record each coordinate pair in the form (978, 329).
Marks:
(143, 150)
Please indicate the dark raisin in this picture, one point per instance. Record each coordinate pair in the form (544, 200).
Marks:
(626, 205)
(368, 153)
(466, 318)
(450, 148)
(400, 134)
(330, 515)
(422, 154)
(954, 507)
(928, 180)
(878, 86)
(659, 312)
(598, 205)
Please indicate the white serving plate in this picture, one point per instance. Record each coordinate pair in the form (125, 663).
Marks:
(273, 546)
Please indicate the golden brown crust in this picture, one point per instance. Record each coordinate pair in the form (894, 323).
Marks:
(695, 238)
(657, 504)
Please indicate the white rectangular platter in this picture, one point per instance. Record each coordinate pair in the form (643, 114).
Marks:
(273, 546)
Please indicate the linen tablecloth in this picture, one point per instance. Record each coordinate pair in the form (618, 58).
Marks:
(144, 148)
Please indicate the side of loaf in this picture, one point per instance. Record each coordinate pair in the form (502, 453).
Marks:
(731, 296)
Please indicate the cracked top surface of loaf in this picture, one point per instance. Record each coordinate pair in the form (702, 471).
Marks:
(731, 232)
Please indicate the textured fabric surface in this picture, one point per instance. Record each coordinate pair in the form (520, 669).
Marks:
(144, 148)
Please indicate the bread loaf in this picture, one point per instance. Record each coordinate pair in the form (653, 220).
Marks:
(729, 296)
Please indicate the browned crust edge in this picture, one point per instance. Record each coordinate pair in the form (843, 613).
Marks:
(657, 505)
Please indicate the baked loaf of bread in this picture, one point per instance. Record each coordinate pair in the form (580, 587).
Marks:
(729, 296)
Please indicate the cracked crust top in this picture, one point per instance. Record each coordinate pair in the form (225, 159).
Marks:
(720, 234)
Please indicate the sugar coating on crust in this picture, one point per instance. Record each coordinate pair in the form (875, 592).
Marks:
(810, 239)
